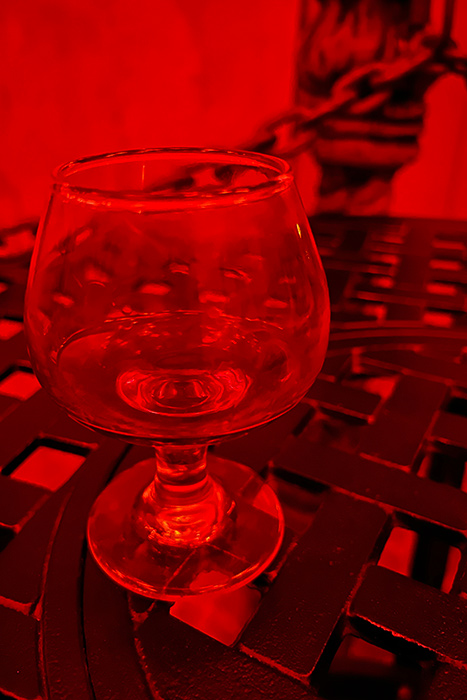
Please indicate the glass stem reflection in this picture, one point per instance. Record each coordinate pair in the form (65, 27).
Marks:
(183, 506)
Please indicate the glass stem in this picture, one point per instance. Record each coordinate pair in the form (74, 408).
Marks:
(183, 506)
(181, 474)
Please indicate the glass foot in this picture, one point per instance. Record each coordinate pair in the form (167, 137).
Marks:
(242, 546)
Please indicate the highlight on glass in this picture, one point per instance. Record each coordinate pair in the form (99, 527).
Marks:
(175, 299)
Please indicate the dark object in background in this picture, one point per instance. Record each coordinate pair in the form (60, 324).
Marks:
(364, 67)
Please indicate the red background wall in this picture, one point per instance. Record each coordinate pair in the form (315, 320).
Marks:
(82, 77)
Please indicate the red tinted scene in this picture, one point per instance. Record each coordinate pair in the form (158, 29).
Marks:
(233, 410)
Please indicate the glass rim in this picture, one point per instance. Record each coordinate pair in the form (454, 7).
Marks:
(278, 171)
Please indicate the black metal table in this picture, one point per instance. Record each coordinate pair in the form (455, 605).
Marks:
(367, 597)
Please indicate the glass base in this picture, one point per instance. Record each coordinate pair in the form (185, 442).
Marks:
(243, 544)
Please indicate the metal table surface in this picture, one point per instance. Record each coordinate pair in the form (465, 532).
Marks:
(367, 597)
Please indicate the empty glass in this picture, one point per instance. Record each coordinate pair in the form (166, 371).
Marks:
(175, 299)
